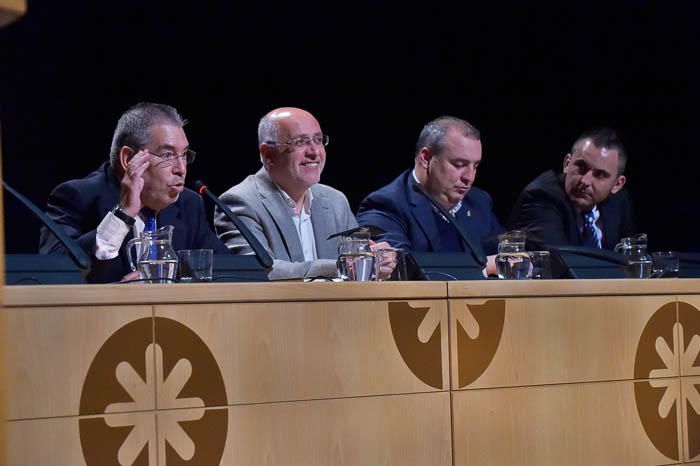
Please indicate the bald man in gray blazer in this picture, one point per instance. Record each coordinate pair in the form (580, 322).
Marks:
(262, 207)
(284, 204)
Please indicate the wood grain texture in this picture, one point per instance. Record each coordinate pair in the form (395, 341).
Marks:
(50, 351)
(63, 295)
(297, 351)
(561, 340)
(389, 430)
(577, 424)
(608, 287)
(57, 441)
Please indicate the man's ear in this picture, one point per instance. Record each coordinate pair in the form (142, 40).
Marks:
(125, 154)
(424, 157)
(619, 183)
(267, 154)
(567, 160)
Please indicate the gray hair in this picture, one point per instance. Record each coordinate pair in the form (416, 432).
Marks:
(433, 134)
(268, 129)
(604, 138)
(134, 127)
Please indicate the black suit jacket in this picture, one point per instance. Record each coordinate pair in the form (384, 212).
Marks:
(544, 211)
(80, 205)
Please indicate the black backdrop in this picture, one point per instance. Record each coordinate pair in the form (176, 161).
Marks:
(530, 76)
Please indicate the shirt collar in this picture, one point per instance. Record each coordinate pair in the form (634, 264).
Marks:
(308, 198)
(455, 208)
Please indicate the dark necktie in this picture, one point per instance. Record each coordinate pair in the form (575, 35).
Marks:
(589, 236)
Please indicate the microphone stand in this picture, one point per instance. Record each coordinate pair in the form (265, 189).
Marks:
(76, 253)
(261, 254)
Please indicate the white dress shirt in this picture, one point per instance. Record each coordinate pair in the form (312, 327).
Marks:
(302, 223)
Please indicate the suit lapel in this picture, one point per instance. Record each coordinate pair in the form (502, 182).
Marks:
(171, 216)
(279, 212)
(320, 215)
(573, 234)
(422, 212)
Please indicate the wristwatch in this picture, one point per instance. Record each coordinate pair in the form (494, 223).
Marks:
(123, 216)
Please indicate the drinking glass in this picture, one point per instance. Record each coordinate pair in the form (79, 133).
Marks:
(513, 261)
(664, 264)
(355, 260)
(394, 256)
(195, 265)
(541, 265)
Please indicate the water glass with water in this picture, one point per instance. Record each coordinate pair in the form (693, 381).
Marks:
(513, 261)
(355, 259)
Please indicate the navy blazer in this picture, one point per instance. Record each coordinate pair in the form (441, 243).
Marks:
(543, 210)
(80, 205)
(409, 222)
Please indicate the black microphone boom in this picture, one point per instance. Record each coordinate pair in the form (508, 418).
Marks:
(80, 257)
(475, 251)
(261, 253)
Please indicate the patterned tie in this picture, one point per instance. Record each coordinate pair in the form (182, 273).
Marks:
(589, 235)
(150, 217)
(150, 227)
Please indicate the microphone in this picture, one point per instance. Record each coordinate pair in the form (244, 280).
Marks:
(76, 253)
(475, 251)
(261, 253)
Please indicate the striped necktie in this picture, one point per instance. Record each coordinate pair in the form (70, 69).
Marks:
(589, 235)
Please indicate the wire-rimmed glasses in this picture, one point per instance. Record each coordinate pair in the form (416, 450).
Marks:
(168, 157)
(302, 141)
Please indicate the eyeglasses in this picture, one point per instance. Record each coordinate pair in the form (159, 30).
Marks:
(168, 158)
(302, 141)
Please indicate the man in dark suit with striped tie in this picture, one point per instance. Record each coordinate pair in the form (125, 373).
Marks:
(585, 204)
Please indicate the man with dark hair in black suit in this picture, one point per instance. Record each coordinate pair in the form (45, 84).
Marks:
(144, 179)
(584, 205)
(447, 158)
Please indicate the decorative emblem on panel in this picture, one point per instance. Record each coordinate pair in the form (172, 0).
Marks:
(417, 335)
(668, 412)
(120, 390)
(478, 332)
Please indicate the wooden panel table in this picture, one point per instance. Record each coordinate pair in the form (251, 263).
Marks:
(575, 372)
(233, 374)
(421, 373)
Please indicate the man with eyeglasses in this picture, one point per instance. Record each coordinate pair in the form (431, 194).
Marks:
(284, 204)
(141, 187)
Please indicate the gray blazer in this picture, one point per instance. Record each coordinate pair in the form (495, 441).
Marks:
(258, 203)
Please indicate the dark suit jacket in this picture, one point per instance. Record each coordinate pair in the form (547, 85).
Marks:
(544, 211)
(409, 222)
(80, 205)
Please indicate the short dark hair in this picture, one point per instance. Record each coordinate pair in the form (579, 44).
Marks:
(433, 134)
(604, 138)
(134, 126)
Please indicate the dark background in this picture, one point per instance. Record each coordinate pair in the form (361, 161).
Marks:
(531, 76)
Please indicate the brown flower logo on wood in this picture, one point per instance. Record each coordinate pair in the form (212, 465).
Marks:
(417, 333)
(478, 332)
(669, 405)
(146, 360)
